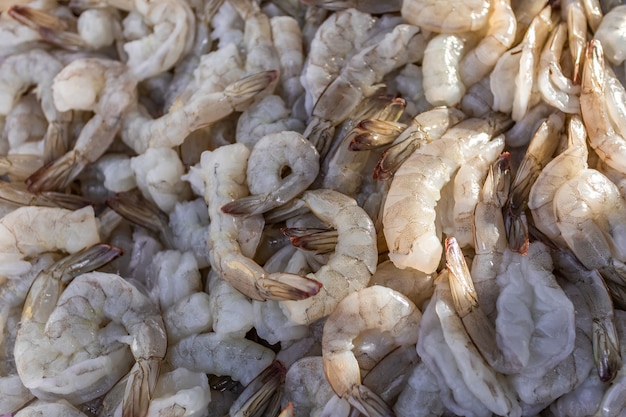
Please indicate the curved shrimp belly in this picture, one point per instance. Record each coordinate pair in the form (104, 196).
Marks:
(409, 212)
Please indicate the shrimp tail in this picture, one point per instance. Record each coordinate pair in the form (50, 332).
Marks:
(368, 402)
(318, 240)
(606, 351)
(139, 388)
(373, 134)
(246, 88)
(50, 27)
(393, 157)
(57, 174)
(259, 392)
(517, 231)
(461, 284)
(55, 141)
(250, 205)
(288, 411)
(320, 133)
(283, 287)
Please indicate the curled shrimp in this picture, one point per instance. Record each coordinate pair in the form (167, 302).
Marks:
(270, 157)
(224, 175)
(369, 309)
(367, 6)
(450, 17)
(351, 265)
(608, 144)
(100, 85)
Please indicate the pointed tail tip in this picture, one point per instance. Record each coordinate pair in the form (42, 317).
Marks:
(288, 287)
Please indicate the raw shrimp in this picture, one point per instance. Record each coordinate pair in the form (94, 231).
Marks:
(29, 231)
(306, 386)
(140, 131)
(374, 308)
(270, 157)
(230, 309)
(577, 35)
(172, 36)
(36, 67)
(499, 37)
(215, 354)
(450, 17)
(490, 236)
(608, 144)
(412, 238)
(350, 267)
(606, 344)
(589, 214)
(414, 284)
(535, 325)
(260, 395)
(555, 88)
(612, 34)
(440, 68)
(489, 387)
(35, 348)
(420, 396)
(288, 43)
(223, 172)
(562, 168)
(425, 127)
(468, 183)
(189, 223)
(593, 13)
(100, 85)
(24, 127)
(358, 80)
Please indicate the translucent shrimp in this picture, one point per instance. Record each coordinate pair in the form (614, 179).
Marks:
(442, 82)
(59, 408)
(556, 89)
(173, 29)
(306, 385)
(577, 35)
(375, 309)
(358, 80)
(288, 43)
(36, 67)
(608, 144)
(611, 33)
(223, 172)
(367, 6)
(38, 354)
(412, 239)
(24, 127)
(99, 85)
(140, 131)
(450, 17)
(562, 168)
(606, 344)
(350, 267)
(29, 231)
(499, 37)
(270, 157)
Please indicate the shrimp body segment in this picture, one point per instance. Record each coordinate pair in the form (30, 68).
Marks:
(373, 308)
(350, 266)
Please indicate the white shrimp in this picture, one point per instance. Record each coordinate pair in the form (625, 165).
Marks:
(442, 81)
(140, 131)
(158, 175)
(374, 308)
(172, 276)
(608, 144)
(358, 80)
(334, 42)
(499, 37)
(450, 17)
(519, 63)
(28, 231)
(350, 267)
(367, 6)
(24, 127)
(612, 34)
(414, 284)
(109, 297)
(562, 168)
(594, 13)
(189, 222)
(173, 26)
(270, 157)
(36, 67)
(288, 43)
(223, 172)
(468, 183)
(216, 354)
(412, 239)
(555, 88)
(100, 85)
(420, 396)
(231, 310)
(306, 386)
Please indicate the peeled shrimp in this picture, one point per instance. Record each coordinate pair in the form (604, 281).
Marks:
(376, 309)
(449, 17)
(350, 267)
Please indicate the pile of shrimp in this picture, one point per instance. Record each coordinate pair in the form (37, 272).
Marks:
(312, 208)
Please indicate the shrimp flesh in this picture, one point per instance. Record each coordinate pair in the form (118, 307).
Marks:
(223, 171)
(376, 309)
(288, 43)
(452, 17)
(608, 144)
(100, 85)
(270, 157)
(352, 264)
